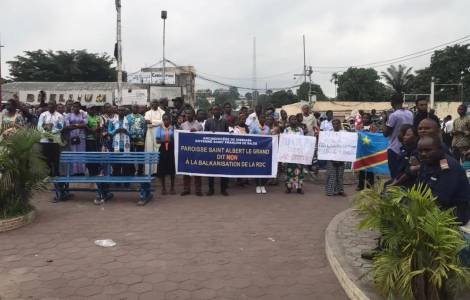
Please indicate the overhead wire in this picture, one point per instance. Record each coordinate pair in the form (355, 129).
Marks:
(401, 58)
(322, 69)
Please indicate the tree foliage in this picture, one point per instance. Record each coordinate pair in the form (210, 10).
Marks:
(302, 91)
(361, 84)
(398, 78)
(278, 98)
(450, 65)
(224, 96)
(203, 104)
(74, 65)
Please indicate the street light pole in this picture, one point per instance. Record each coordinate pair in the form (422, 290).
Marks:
(119, 52)
(1, 80)
(431, 97)
(305, 66)
(164, 16)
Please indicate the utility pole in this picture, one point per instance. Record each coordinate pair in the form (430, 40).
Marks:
(310, 71)
(431, 97)
(164, 16)
(255, 92)
(1, 80)
(119, 52)
(305, 66)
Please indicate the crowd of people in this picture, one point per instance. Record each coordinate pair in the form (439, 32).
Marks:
(422, 148)
(72, 127)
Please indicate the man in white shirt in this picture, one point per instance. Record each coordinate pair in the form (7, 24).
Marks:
(327, 125)
(153, 118)
(51, 124)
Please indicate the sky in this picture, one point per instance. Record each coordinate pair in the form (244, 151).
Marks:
(216, 36)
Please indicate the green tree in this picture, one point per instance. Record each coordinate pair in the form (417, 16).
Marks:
(302, 91)
(361, 84)
(398, 78)
(75, 65)
(203, 104)
(282, 97)
(450, 65)
(223, 98)
(249, 96)
(234, 93)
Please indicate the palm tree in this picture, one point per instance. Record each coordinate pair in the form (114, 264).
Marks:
(398, 78)
(420, 243)
(22, 171)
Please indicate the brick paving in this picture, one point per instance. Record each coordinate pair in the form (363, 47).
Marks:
(245, 246)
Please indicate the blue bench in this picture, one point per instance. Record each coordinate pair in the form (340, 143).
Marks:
(105, 160)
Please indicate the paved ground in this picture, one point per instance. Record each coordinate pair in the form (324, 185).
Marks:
(244, 246)
(347, 243)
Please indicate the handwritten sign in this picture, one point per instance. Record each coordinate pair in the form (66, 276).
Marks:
(296, 149)
(338, 146)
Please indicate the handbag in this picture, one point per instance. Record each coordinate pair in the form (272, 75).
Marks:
(75, 140)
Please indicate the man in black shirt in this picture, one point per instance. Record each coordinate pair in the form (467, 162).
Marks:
(445, 176)
(422, 113)
(217, 124)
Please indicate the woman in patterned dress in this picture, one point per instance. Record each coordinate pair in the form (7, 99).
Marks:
(76, 123)
(295, 172)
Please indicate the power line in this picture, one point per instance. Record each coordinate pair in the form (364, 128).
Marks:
(245, 88)
(400, 58)
(249, 78)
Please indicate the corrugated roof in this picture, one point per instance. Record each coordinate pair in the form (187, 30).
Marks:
(66, 86)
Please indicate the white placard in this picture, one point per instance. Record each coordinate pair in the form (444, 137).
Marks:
(338, 146)
(296, 149)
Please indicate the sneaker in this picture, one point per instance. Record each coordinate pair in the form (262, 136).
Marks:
(108, 196)
(258, 190)
(141, 202)
(98, 201)
(263, 190)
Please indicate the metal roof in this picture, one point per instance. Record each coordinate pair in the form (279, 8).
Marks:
(66, 86)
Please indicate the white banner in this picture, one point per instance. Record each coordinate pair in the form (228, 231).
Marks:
(85, 97)
(296, 149)
(170, 92)
(338, 146)
(131, 96)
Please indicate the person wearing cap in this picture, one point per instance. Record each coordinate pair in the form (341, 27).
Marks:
(153, 119)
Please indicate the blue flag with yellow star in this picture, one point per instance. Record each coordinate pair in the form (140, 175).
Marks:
(372, 153)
